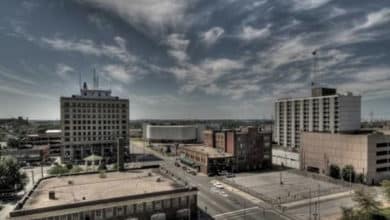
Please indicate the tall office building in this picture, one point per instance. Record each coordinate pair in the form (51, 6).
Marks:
(91, 123)
(324, 111)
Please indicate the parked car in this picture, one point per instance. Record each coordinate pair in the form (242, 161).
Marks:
(218, 186)
(230, 175)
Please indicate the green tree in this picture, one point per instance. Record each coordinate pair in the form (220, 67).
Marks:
(348, 173)
(367, 208)
(13, 143)
(10, 175)
(76, 169)
(334, 171)
(386, 188)
(58, 170)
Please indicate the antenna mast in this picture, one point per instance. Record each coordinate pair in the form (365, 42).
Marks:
(80, 80)
(314, 71)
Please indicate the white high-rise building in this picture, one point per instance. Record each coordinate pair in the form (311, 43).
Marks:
(324, 111)
(92, 123)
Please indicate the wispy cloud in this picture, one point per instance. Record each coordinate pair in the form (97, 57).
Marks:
(177, 47)
(89, 47)
(152, 17)
(10, 75)
(308, 4)
(249, 33)
(64, 70)
(212, 35)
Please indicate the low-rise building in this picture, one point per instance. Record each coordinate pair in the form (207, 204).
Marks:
(251, 148)
(37, 154)
(172, 133)
(136, 195)
(367, 152)
(51, 139)
(285, 157)
(208, 160)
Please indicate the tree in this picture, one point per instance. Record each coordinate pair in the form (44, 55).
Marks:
(10, 176)
(386, 188)
(13, 143)
(76, 169)
(367, 208)
(58, 170)
(348, 173)
(334, 171)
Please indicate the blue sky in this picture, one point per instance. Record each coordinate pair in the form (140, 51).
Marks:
(192, 58)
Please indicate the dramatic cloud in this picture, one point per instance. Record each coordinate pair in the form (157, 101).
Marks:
(150, 17)
(211, 36)
(117, 72)
(177, 47)
(64, 70)
(309, 4)
(250, 33)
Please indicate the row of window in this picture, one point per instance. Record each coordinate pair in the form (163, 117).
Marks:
(83, 128)
(94, 105)
(382, 169)
(380, 145)
(94, 110)
(67, 116)
(381, 153)
(93, 133)
(381, 161)
(134, 209)
(100, 138)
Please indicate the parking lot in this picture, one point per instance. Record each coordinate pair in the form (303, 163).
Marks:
(294, 187)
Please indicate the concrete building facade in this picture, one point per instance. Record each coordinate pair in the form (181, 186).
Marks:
(324, 111)
(172, 133)
(135, 195)
(51, 138)
(91, 123)
(368, 153)
(209, 160)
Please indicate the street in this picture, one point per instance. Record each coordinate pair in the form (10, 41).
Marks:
(212, 202)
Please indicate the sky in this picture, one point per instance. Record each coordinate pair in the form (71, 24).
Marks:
(192, 59)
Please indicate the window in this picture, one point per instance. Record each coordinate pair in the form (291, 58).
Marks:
(382, 169)
(381, 161)
(140, 208)
(130, 209)
(380, 153)
(380, 145)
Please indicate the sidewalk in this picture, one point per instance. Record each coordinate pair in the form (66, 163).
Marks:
(304, 202)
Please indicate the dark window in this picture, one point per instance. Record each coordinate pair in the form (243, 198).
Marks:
(380, 153)
(379, 145)
(381, 161)
(382, 169)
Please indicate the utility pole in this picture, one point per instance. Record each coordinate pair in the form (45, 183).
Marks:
(309, 204)
(32, 177)
(41, 170)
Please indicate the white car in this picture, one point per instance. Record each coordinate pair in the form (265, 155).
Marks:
(218, 186)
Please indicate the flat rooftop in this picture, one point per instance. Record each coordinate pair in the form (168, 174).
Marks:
(210, 151)
(91, 187)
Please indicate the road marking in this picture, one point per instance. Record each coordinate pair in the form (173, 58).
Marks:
(235, 212)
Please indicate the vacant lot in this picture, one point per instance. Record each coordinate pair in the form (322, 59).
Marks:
(294, 187)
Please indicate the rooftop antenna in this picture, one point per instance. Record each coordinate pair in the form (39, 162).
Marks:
(314, 71)
(80, 80)
(94, 79)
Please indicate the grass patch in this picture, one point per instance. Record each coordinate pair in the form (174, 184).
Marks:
(386, 212)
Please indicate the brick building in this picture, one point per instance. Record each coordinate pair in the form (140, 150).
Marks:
(251, 148)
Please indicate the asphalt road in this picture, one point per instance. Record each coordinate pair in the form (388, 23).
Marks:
(213, 203)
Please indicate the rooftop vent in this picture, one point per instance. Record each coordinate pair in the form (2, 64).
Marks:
(52, 195)
(70, 182)
(158, 180)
